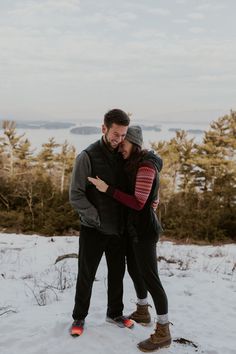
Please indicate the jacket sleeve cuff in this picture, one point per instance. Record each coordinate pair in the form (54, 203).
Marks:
(110, 191)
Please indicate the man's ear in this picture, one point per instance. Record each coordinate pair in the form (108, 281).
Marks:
(104, 129)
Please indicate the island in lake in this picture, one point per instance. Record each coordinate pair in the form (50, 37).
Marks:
(85, 130)
(191, 131)
(174, 129)
(155, 128)
(195, 131)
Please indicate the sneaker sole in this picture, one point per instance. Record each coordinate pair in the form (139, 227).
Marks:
(120, 324)
(76, 333)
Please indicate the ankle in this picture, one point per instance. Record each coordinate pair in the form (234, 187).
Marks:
(163, 319)
(142, 302)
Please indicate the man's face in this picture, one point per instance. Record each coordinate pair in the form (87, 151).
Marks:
(114, 135)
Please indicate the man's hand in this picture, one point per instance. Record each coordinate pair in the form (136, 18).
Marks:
(99, 184)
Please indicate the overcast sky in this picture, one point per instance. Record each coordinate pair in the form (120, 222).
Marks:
(76, 59)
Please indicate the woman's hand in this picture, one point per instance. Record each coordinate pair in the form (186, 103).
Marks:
(99, 184)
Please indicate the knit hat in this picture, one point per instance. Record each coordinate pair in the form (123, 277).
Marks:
(134, 135)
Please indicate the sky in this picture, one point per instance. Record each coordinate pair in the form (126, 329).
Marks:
(157, 59)
(37, 299)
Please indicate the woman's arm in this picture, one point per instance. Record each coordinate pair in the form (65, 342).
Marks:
(143, 185)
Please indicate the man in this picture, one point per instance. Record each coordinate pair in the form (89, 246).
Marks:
(102, 221)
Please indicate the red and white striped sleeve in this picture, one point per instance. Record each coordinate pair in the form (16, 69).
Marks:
(143, 185)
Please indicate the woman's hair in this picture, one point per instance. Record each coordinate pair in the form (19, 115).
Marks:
(132, 164)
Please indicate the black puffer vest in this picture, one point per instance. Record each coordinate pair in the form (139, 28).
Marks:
(144, 224)
(108, 166)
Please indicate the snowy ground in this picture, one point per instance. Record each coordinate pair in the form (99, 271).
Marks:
(36, 300)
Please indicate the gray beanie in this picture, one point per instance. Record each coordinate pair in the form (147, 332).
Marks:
(134, 135)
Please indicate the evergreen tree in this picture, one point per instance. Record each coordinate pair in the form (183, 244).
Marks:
(46, 158)
(65, 160)
(10, 146)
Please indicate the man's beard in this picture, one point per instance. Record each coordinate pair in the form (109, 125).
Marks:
(110, 147)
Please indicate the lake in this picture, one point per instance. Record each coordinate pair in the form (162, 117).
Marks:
(39, 136)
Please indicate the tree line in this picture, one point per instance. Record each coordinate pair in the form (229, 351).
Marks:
(198, 183)
(197, 194)
(34, 186)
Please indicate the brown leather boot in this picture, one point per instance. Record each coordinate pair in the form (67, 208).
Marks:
(141, 315)
(160, 339)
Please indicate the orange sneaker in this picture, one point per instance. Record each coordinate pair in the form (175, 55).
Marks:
(121, 321)
(77, 328)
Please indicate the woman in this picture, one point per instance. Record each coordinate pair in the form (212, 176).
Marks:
(142, 168)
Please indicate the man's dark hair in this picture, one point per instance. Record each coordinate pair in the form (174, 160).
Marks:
(116, 116)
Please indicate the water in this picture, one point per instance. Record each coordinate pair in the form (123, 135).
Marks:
(37, 137)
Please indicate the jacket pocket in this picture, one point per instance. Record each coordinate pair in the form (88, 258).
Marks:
(90, 217)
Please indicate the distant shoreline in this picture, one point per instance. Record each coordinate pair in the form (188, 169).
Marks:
(163, 132)
(40, 124)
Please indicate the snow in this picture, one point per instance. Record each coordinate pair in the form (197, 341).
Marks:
(37, 298)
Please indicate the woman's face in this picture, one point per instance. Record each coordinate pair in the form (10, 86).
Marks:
(125, 148)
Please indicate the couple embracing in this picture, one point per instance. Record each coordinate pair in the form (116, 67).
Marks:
(114, 188)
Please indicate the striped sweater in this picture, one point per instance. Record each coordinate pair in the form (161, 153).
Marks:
(143, 185)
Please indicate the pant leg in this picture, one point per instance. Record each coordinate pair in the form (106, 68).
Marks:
(134, 271)
(145, 252)
(115, 257)
(91, 248)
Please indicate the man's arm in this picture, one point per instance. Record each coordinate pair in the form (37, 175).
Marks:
(78, 199)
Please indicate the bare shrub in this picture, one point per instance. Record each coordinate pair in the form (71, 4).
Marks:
(42, 294)
(218, 252)
(6, 309)
(64, 278)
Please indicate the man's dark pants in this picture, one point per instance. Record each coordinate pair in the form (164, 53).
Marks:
(92, 245)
